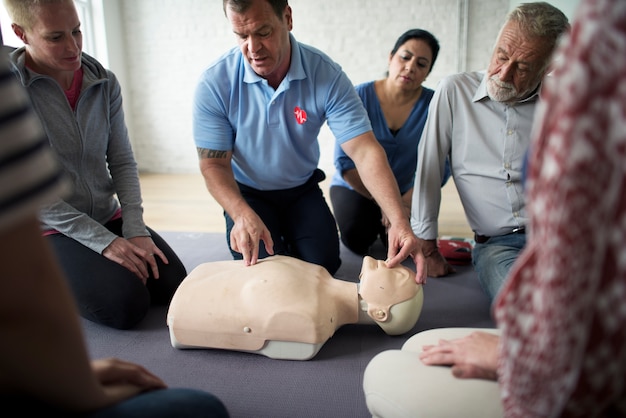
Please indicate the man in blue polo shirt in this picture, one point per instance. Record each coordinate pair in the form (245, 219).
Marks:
(257, 113)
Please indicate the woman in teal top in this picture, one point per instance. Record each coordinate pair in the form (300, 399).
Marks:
(397, 107)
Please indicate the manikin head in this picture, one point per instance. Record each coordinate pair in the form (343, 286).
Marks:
(392, 297)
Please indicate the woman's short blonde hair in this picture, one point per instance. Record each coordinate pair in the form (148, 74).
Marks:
(22, 12)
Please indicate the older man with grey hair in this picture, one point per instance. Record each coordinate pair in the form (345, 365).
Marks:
(482, 121)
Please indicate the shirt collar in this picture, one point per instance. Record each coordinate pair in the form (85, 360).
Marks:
(481, 92)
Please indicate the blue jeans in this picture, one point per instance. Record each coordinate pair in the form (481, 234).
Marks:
(164, 403)
(493, 260)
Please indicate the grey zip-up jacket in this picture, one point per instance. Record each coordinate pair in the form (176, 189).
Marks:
(93, 147)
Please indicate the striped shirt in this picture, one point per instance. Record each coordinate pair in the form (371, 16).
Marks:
(29, 173)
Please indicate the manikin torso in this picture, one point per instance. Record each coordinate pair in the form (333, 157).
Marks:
(285, 308)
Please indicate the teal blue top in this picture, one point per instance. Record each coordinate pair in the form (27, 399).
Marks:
(400, 146)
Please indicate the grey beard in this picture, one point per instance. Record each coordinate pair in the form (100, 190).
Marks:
(499, 93)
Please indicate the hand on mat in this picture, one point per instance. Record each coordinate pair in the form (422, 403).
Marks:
(133, 257)
(246, 235)
(472, 357)
(436, 264)
(121, 379)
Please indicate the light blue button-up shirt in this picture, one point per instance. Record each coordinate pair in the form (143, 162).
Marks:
(486, 142)
(273, 133)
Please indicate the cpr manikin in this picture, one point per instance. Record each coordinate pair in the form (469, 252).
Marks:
(286, 308)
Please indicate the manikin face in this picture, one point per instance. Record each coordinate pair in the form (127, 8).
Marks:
(54, 43)
(394, 300)
(263, 39)
(517, 65)
(410, 65)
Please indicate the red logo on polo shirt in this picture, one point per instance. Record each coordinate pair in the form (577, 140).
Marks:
(300, 115)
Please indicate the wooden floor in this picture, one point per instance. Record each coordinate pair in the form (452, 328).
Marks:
(180, 202)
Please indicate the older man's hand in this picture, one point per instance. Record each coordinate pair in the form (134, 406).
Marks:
(436, 264)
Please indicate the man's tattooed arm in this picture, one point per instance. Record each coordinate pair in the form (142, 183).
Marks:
(211, 153)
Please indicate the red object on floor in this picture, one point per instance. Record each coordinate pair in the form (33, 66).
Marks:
(457, 252)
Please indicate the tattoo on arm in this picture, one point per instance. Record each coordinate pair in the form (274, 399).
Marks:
(211, 153)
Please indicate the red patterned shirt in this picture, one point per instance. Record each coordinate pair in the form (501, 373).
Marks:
(563, 311)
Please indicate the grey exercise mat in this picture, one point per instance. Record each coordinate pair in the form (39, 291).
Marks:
(329, 385)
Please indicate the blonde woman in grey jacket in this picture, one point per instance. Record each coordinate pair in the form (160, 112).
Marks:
(116, 266)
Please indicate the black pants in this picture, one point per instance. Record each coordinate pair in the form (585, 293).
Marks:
(108, 293)
(163, 403)
(299, 220)
(358, 219)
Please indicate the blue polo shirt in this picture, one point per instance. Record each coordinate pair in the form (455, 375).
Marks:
(273, 133)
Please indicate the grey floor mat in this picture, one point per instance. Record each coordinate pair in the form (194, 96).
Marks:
(251, 385)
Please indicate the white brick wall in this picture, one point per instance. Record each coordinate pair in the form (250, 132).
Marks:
(169, 42)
